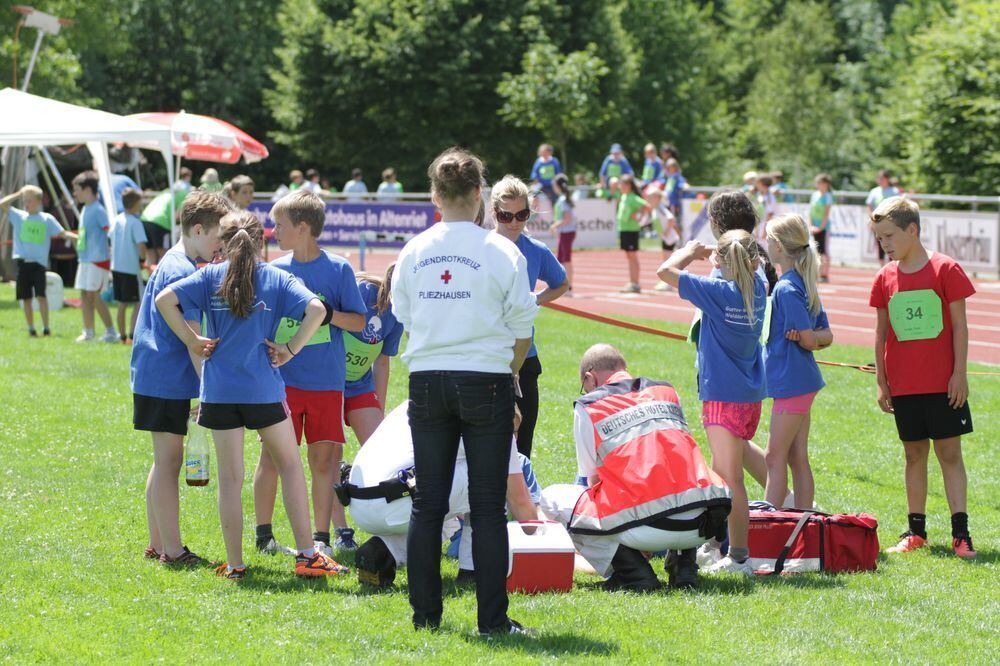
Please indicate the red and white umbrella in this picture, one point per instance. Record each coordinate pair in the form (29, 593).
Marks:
(195, 137)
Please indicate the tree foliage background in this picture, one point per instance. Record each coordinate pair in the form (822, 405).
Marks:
(842, 86)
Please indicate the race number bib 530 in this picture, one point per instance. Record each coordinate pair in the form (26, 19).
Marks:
(916, 315)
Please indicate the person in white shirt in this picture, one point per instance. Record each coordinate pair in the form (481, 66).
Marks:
(462, 296)
(378, 490)
(355, 187)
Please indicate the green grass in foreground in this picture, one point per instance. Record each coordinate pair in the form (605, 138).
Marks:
(75, 587)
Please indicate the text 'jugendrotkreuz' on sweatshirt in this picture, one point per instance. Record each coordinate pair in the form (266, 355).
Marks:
(462, 295)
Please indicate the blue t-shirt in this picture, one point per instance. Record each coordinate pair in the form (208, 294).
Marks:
(541, 264)
(239, 370)
(791, 370)
(612, 168)
(126, 232)
(119, 183)
(780, 192)
(561, 208)
(384, 328)
(730, 359)
(545, 170)
(93, 244)
(161, 366)
(320, 364)
(33, 235)
(674, 187)
(652, 169)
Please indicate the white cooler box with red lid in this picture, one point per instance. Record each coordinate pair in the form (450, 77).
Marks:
(540, 557)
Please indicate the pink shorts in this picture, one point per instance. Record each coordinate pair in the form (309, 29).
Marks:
(799, 404)
(739, 418)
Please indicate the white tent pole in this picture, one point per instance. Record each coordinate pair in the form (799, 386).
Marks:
(168, 158)
(31, 62)
(99, 150)
(59, 179)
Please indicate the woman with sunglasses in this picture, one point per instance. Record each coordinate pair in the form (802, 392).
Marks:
(511, 209)
(462, 296)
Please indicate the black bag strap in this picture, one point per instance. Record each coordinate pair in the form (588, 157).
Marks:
(779, 564)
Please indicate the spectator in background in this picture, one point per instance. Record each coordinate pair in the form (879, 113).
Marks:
(296, 180)
(879, 193)
(210, 181)
(544, 171)
(669, 152)
(780, 188)
(615, 165)
(652, 168)
(766, 207)
(183, 181)
(564, 225)
(312, 182)
(582, 190)
(390, 188)
(674, 186)
(240, 191)
(156, 222)
(820, 205)
(355, 187)
(749, 183)
(119, 183)
(324, 182)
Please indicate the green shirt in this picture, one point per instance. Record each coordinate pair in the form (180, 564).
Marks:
(158, 210)
(627, 207)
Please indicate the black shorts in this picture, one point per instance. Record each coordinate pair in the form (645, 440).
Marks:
(156, 236)
(929, 416)
(629, 240)
(30, 280)
(160, 414)
(226, 416)
(820, 237)
(126, 286)
(667, 247)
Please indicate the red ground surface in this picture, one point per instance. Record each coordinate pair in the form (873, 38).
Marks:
(600, 273)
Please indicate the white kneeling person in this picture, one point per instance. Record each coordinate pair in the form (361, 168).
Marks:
(649, 488)
(378, 489)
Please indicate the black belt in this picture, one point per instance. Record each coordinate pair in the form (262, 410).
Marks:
(393, 489)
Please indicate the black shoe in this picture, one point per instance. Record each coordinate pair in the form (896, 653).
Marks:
(465, 577)
(375, 564)
(32, 332)
(618, 583)
(510, 628)
(428, 625)
(46, 332)
(682, 569)
(631, 572)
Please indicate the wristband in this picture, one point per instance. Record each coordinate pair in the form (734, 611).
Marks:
(329, 313)
(289, 348)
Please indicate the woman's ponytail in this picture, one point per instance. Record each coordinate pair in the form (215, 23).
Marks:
(243, 238)
(739, 251)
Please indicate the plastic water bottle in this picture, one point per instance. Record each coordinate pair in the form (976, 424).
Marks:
(196, 455)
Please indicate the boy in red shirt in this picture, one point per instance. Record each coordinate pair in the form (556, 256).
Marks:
(921, 348)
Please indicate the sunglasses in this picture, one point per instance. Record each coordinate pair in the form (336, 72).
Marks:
(506, 217)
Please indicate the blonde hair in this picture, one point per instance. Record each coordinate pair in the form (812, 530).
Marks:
(739, 252)
(384, 284)
(796, 241)
(900, 211)
(509, 188)
(302, 207)
(27, 190)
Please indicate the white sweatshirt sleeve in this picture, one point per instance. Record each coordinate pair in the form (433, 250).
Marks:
(520, 305)
(586, 445)
(400, 291)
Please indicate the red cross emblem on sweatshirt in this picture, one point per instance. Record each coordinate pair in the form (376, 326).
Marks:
(446, 277)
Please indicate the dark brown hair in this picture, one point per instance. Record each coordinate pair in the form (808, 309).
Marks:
(455, 174)
(243, 239)
(87, 179)
(732, 209)
(302, 207)
(130, 197)
(204, 208)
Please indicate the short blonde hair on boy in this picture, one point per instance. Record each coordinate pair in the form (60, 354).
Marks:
(302, 206)
(900, 211)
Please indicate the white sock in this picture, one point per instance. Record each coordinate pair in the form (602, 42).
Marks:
(308, 552)
(89, 332)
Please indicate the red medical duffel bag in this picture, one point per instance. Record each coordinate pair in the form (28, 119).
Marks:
(796, 541)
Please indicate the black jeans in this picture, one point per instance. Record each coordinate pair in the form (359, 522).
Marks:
(528, 404)
(478, 408)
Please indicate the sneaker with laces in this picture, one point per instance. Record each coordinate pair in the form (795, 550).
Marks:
(324, 548)
(963, 547)
(232, 573)
(631, 288)
(110, 337)
(85, 337)
(345, 539)
(318, 564)
(510, 628)
(272, 547)
(908, 541)
(185, 559)
(729, 565)
(662, 286)
(707, 555)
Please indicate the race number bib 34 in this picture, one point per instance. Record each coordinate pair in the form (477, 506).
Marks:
(33, 231)
(288, 327)
(916, 315)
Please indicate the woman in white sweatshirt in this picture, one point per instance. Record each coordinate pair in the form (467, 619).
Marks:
(462, 296)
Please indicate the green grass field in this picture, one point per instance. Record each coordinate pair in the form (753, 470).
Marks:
(75, 588)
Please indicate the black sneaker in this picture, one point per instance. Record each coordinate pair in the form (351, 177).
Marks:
(510, 628)
(465, 577)
(345, 539)
(32, 332)
(46, 332)
(682, 570)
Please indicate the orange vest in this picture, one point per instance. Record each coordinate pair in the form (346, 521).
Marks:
(649, 466)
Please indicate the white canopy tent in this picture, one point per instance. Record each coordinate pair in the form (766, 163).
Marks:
(30, 120)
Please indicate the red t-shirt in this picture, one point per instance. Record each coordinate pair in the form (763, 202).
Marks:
(921, 366)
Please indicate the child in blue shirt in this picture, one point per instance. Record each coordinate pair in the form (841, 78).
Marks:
(128, 252)
(164, 377)
(615, 165)
(94, 272)
(243, 301)
(731, 382)
(314, 379)
(545, 169)
(33, 231)
(674, 187)
(652, 168)
(799, 326)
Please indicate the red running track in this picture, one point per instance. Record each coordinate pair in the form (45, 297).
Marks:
(599, 274)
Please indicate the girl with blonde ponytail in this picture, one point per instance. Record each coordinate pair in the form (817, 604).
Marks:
(243, 301)
(799, 326)
(730, 365)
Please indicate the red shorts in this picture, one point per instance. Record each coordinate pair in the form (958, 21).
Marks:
(362, 401)
(319, 413)
(565, 249)
(799, 404)
(739, 418)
